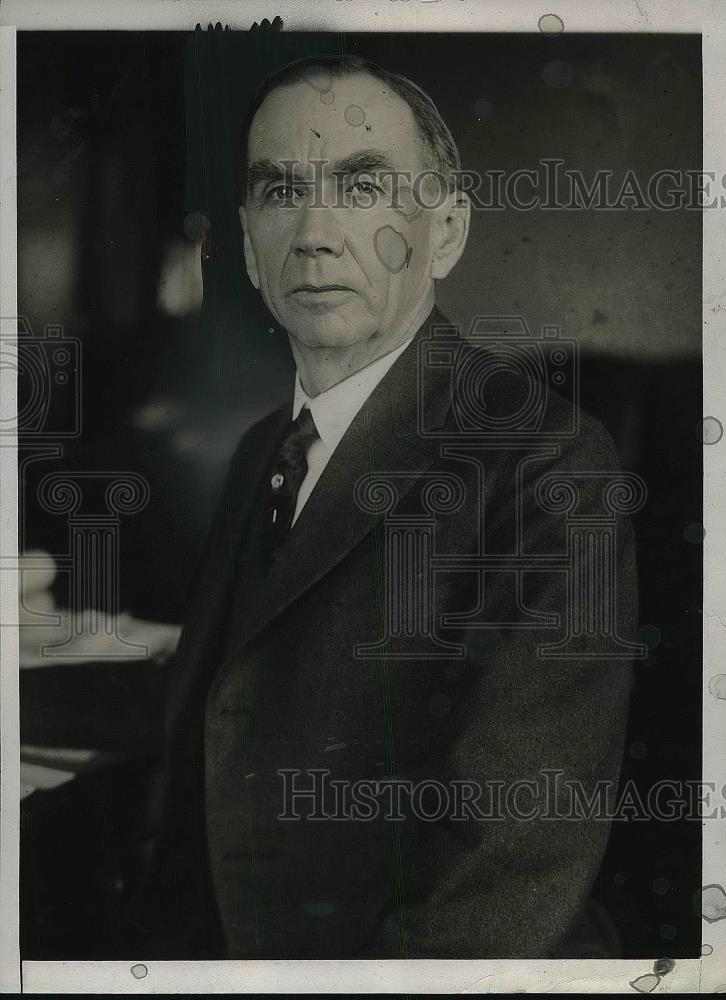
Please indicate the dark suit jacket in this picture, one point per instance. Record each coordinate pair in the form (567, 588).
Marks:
(266, 678)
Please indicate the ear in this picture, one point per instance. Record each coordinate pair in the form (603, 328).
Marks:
(450, 232)
(250, 260)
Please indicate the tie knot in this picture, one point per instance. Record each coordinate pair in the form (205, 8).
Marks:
(295, 446)
(304, 430)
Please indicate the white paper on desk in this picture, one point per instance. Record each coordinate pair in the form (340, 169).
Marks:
(66, 755)
(35, 777)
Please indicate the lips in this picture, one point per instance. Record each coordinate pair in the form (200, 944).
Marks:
(322, 288)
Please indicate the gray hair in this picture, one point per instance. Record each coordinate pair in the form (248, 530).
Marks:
(438, 149)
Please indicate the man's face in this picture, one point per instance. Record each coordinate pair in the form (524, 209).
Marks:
(335, 261)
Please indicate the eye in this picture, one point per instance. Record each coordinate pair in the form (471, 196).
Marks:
(284, 193)
(365, 187)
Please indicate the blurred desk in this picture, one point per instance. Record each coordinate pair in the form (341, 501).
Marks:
(90, 742)
(111, 706)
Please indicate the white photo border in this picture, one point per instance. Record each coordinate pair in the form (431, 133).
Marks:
(704, 975)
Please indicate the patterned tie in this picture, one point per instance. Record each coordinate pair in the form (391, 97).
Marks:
(287, 476)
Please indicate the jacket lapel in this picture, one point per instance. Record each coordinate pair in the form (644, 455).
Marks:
(226, 573)
(383, 437)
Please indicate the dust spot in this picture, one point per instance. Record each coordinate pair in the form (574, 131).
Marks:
(662, 966)
(318, 77)
(557, 74)
(645, 984)
(406, 205)
(650, 636)
(551, 24)
(661, 886)
(707, 949)
(717, 686)
(668, 932)
(139, 971)
(638, 751)
(439, 706)
(355, 115)
(694, 533)
(391, 248)
(599, 317)
(710, 430)
(710, 902)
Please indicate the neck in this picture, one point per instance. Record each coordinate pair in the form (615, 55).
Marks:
(322, 367)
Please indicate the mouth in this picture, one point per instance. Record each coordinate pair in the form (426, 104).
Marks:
(320, 289)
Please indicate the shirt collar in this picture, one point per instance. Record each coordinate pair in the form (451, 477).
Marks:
(333, 410)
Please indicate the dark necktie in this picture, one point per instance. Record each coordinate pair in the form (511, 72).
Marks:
(286, 478)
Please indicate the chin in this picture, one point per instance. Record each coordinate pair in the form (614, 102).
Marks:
(327, 329)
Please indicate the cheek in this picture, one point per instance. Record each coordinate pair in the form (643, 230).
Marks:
(270, 257)
(402, 244)
(384, 244)
(270, 237)
(419, 236)
(401, 250)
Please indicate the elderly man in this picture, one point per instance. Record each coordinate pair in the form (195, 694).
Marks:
(327, 682)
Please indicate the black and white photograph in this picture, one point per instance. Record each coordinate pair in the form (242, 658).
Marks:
(362, 566)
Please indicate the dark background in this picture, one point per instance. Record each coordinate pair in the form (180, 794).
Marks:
(122, 135)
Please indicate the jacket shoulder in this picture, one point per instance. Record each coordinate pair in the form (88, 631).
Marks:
(500, 400)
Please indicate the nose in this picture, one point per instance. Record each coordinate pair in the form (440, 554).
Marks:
(318, 232)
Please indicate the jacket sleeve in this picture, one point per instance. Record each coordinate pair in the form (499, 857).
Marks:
(514, 883)
(176, 907)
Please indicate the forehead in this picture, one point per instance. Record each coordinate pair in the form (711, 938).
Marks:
(323, 117)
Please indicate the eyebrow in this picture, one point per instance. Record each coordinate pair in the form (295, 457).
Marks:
(262, 171)
(364, 161)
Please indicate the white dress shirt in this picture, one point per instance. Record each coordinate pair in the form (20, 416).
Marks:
(333, 412)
